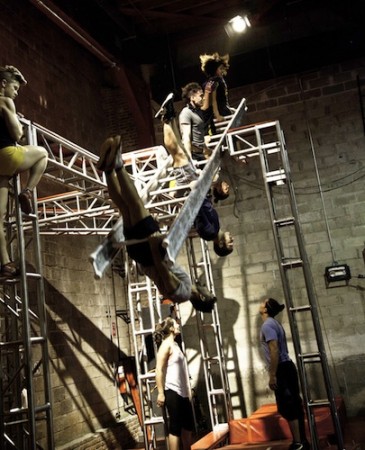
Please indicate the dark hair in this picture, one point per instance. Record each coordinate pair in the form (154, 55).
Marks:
(163, 330)
(273, 307)
(222, 250)
(190, 89)
(210, 63)
(218, 194)
(11, 73)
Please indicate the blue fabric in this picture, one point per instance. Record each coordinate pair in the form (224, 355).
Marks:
(272, 330)
(207, 221)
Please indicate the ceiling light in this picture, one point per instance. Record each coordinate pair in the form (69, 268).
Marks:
(236, 25)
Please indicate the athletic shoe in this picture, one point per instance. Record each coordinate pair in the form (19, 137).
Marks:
(167, 112)
(204, 301)
(296, 446)
(9, 270)
(25, 200)
(110, 155)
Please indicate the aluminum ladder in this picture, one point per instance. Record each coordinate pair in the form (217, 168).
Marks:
(266, 140)
(210, 339)
(26, 406)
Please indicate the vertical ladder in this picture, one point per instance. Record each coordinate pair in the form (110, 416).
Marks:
(210, 338)
(267, 141)
(26, 408)
(142, 294)
(145, 310)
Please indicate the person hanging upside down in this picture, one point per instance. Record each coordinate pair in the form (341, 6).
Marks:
(172, 282)
(207, 222)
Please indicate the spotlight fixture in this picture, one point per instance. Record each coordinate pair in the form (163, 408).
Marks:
(337, 273)
(237, 25)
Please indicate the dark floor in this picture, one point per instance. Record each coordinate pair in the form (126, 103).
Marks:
(354, 439)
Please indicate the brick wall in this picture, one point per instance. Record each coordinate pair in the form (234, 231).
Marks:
(84, 349)
(64, 94)
(69, 93)
(69, 90)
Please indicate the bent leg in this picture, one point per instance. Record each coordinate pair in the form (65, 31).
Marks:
(171, 141)
(4, 194)
(35, 160)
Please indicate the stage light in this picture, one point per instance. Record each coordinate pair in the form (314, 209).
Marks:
(237, 25)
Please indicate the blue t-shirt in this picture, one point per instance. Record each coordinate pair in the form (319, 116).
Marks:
(272, 330)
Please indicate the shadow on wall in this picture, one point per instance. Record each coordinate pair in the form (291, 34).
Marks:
(228, 311)
(83, 336)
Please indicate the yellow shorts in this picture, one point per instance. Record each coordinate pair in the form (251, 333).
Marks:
(11, 158)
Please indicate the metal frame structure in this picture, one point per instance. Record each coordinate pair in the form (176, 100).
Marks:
(266, 140)
(26, 406)
(81, 206)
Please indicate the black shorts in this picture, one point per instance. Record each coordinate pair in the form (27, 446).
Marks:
(287, 394)
(141, 253)
(180, 413)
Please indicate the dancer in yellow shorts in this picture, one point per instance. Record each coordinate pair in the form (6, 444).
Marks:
(14, 158)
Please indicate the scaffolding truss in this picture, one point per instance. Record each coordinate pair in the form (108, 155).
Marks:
(81, 206)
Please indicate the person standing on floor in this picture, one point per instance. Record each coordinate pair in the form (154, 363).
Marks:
(283, 377)
(173, 384)
(14, 158)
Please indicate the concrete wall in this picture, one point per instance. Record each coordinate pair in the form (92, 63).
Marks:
(322, 106)
(64, 92)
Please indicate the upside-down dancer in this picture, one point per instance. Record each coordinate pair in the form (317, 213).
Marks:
(207, 222)
(172, 282)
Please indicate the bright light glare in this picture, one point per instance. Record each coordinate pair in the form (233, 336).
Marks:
(239, 24)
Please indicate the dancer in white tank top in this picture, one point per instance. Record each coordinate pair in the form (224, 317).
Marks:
(173, 384)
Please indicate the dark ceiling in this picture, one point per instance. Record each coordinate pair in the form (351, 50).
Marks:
(167, 36)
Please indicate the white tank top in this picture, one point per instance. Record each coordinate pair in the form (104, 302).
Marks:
(176, 373)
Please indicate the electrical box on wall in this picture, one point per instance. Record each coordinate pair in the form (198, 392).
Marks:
(337, 273)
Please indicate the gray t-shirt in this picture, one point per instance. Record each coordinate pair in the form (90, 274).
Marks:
(197, 125)
(183, 292)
